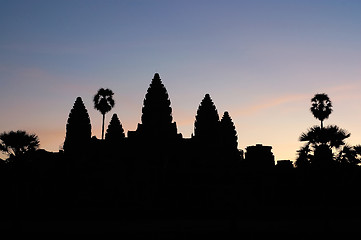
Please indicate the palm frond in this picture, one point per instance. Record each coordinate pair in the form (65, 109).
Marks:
(321, 106)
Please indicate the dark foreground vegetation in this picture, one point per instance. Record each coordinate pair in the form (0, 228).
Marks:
(56, 192)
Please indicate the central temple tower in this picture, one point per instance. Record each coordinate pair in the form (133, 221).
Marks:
(157, 121)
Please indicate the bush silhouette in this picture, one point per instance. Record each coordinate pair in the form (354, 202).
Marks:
(16, 144)
(304, 158)
(349, 155)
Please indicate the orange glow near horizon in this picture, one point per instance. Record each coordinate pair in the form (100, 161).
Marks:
(247, 55)
(52, 140)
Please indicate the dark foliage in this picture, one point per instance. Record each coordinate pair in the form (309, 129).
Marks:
(331, 135)
(321, 107)
(304, 157)
(18, 143)
(103, 102)
(321, 141)
(349, 155)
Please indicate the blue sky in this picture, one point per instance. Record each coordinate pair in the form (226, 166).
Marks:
(260, 60)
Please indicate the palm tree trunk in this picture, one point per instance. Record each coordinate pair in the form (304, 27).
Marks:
(103, 127)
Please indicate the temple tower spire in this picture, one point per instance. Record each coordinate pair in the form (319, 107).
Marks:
(157, 121)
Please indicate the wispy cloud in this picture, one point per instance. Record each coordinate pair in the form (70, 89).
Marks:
(342, 91)
(342, 87)
(269, 103)
(345, 91)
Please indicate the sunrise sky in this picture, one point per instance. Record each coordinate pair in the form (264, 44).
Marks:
(262, 61)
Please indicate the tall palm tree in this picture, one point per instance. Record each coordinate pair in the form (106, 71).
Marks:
(321, 107)
(103, 102)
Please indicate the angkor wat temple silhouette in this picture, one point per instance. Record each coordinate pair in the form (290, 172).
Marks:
(154, 180)
(157, 142)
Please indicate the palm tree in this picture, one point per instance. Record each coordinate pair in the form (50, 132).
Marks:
(332, 135)
(18, 143)
(321, 107)
(349, 155)
(103, 102)
(304, 157)
(322, 140)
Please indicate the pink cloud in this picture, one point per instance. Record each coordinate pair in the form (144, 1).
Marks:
(272, 102)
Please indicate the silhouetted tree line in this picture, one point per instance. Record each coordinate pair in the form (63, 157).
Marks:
(154, 170)
(325, 146)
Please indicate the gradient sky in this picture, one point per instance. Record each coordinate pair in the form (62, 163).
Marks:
(260, 60)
